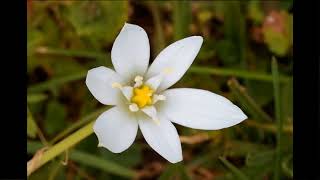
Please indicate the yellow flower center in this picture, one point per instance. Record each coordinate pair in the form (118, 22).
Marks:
(142, 96)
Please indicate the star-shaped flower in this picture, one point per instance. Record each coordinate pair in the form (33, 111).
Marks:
(141, 97)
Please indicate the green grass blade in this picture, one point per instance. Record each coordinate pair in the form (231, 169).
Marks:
(31, 125)
(71, 53)
(240, 175)
(237, 73)
(181, 19)
(276, 85)
(86, 119)
(247, 101)
(159, 43)
(56, 82)
(35, 98)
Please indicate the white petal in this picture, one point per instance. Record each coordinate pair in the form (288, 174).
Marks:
(127, 91)
(116, 129)
(177, 57)
(154, 81)
(152, 113)
(130, 51)
(200, 109)
(99, 82)
(163, 138)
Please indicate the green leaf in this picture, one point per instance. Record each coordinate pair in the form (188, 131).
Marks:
(35, 98)
(277, 43)
(286, 91)
(248, 102)
(259, 165)
(234, 31)
(56, 82)
(276, 85)
(99, 20)
(31, 125)
(181, 19)
(255, 12)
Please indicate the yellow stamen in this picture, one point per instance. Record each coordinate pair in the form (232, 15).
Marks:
(142, 96)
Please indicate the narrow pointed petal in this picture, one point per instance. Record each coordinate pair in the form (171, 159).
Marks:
(200, 109)
(99, 82)
(116, 129)
(130, 51)
(176, 58)
(154, 81)
(163, 138)
(151, 112)
(127, 91)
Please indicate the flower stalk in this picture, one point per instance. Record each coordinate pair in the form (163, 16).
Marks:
(46, 155)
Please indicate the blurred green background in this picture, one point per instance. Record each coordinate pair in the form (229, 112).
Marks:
(67, 38)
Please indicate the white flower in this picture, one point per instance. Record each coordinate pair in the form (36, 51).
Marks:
(140, 96)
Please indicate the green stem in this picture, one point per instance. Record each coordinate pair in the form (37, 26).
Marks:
(62, 146)
(90, 160)
(276, 86)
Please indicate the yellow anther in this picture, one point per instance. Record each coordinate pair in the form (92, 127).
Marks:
(142, 96)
